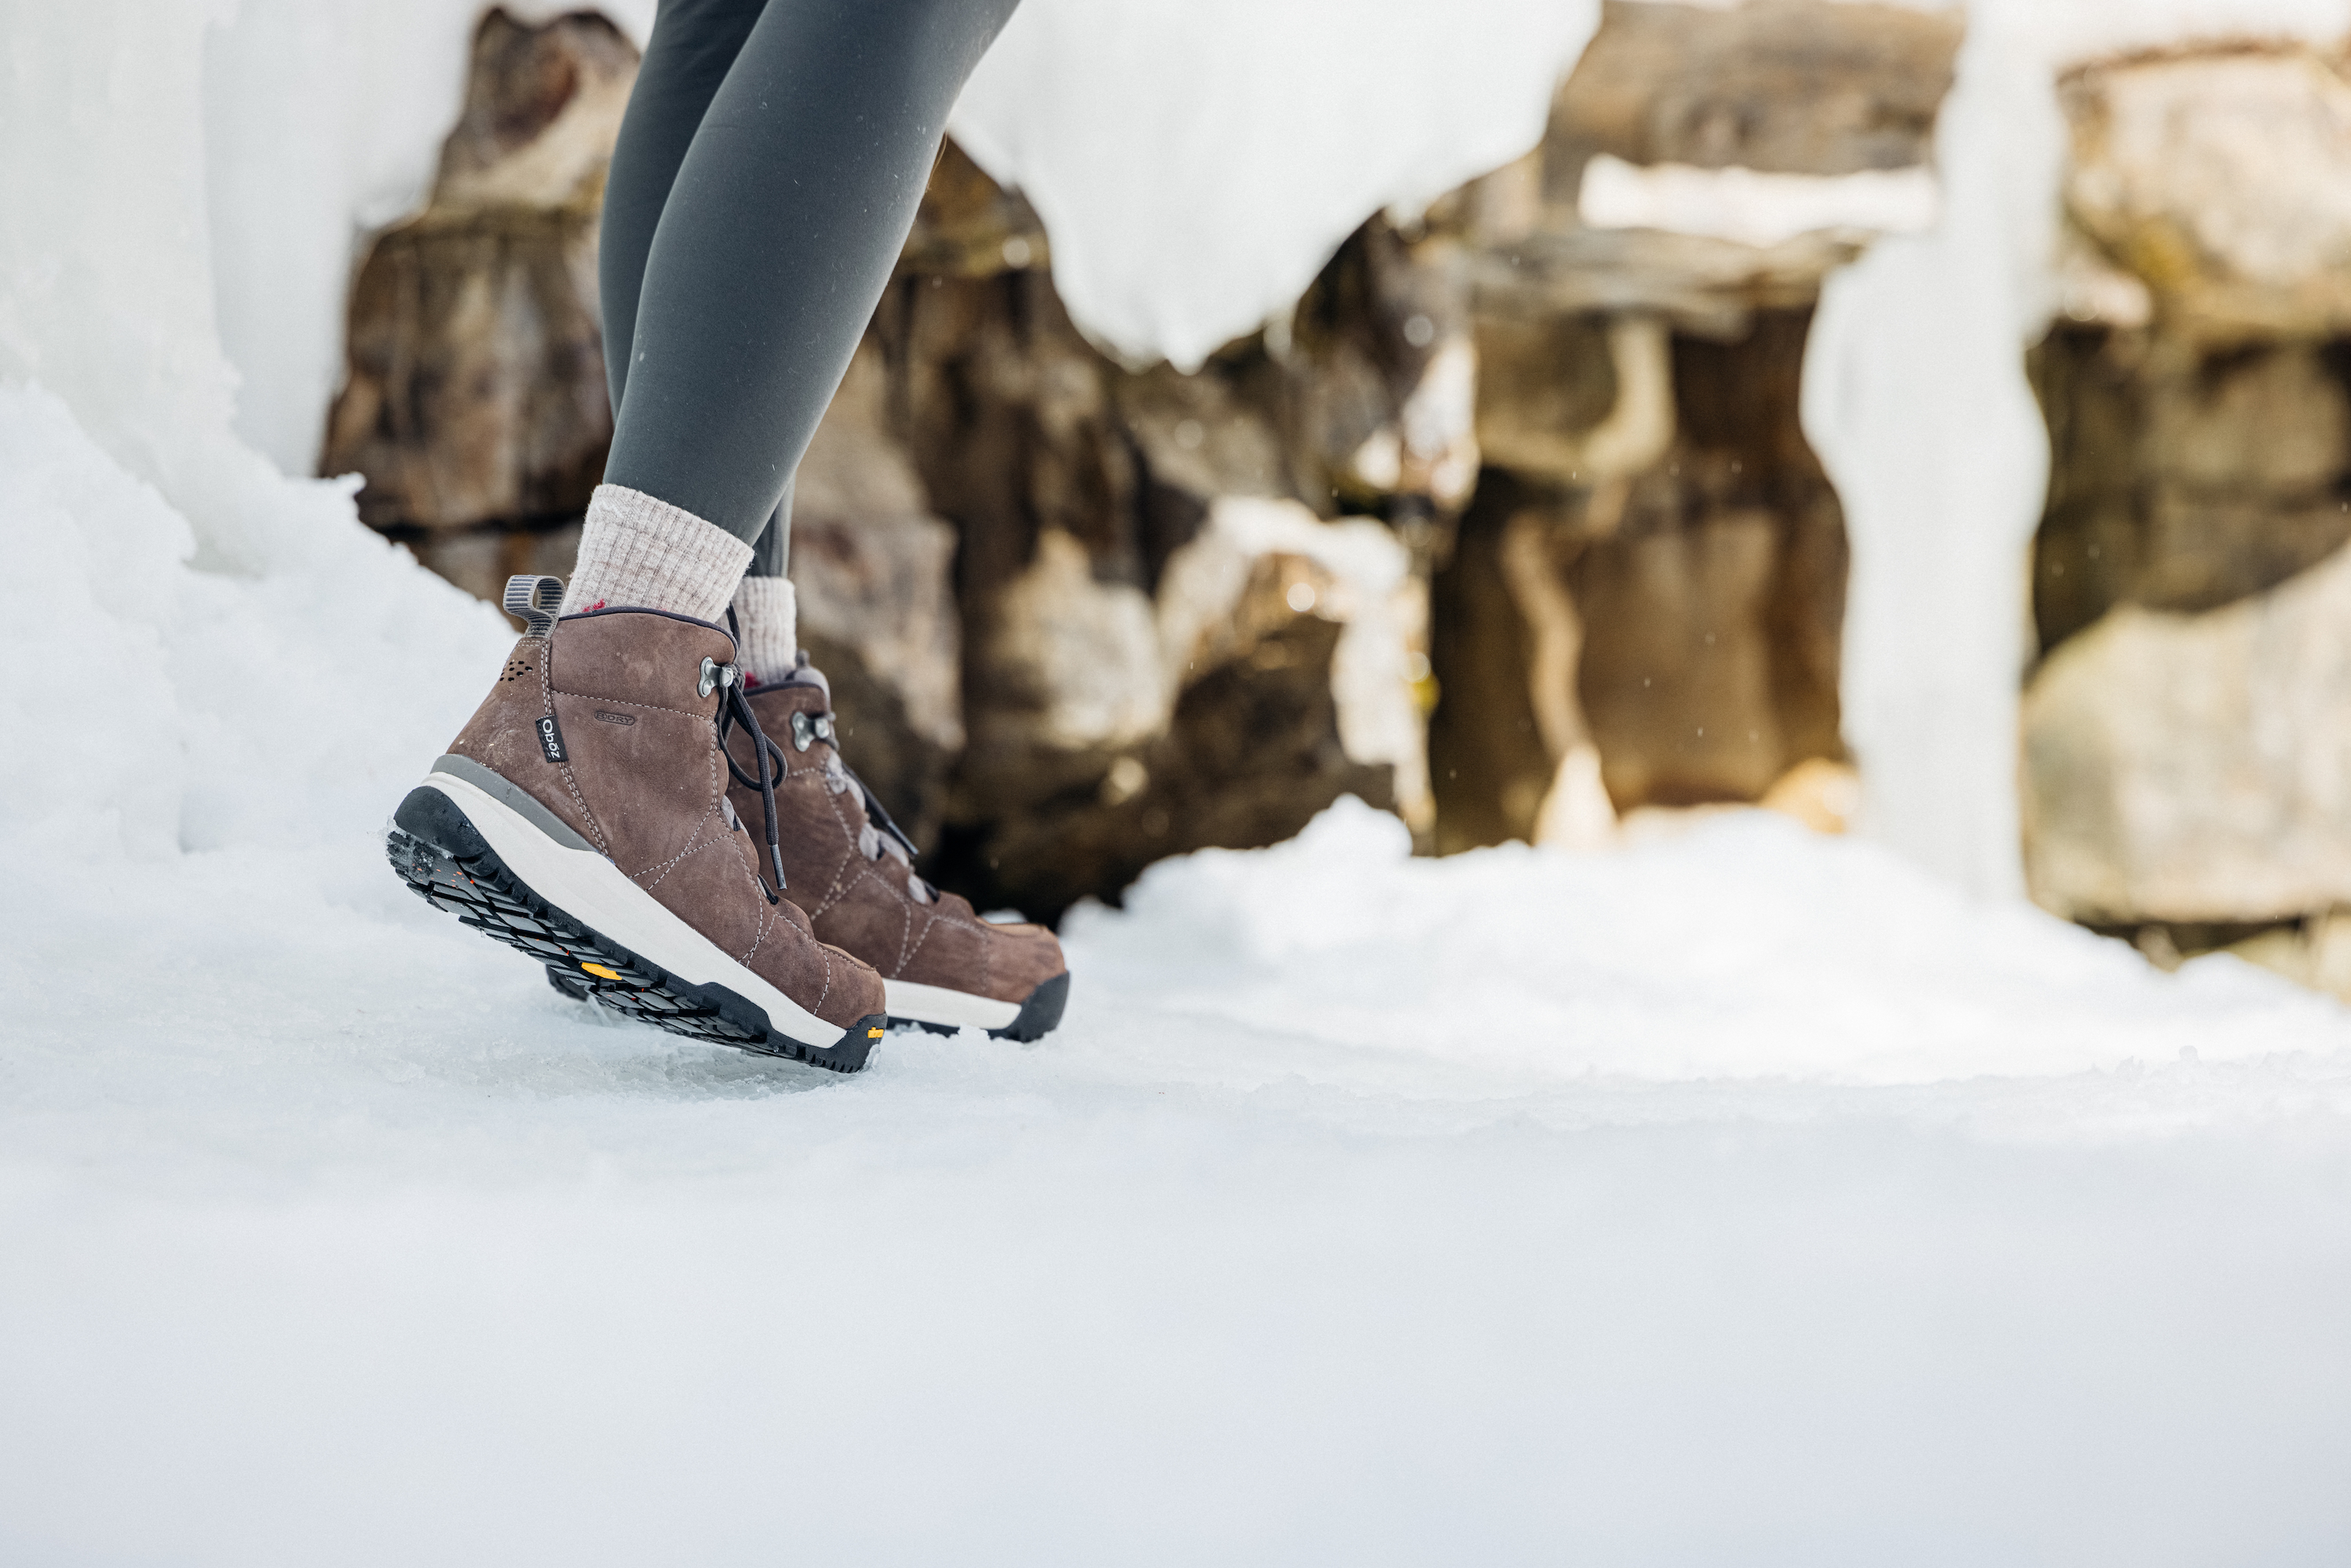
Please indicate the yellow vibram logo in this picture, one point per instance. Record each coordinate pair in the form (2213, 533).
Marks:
(601, 972)
(873, 1034)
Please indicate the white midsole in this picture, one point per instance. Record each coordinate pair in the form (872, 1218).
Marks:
(937, 1004)
(590, 889)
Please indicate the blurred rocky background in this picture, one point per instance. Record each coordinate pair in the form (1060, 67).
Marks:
(2186, 775)
(1510, 525)
(472, 400)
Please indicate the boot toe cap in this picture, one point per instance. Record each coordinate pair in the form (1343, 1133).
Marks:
(1022, 957)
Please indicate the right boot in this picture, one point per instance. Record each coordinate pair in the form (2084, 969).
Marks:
(581, 817)
(942, 967)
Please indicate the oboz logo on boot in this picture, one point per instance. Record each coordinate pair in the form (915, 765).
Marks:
(551, 740)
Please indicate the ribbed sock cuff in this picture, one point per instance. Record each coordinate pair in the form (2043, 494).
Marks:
(640, 551)
(768, 630)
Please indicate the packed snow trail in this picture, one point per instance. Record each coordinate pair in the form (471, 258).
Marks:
(1744, 1197)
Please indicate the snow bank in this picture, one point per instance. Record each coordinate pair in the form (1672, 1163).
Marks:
(1746, 949)
(253, 686)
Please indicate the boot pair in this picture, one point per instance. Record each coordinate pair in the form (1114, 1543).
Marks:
(696, 854)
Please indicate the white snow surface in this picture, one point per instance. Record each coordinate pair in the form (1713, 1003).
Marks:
(1746, 1197)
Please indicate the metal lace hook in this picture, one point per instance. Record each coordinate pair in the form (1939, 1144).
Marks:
(714, 676)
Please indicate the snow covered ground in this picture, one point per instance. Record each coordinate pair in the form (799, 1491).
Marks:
(1746, 1198)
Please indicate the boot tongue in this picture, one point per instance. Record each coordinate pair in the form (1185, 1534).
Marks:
(807, 674)
(805, 690)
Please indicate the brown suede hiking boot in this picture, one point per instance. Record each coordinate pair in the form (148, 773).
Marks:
(582, 818)
(846, 864)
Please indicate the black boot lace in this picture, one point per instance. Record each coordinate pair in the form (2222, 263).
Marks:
(735, 709)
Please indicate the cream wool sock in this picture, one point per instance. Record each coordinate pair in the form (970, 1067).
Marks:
(640, 551)
(768, 630)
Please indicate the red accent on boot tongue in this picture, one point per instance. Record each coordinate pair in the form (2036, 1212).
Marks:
(595, 607)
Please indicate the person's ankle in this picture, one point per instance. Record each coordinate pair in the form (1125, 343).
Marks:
(767, 628)
(640, 551)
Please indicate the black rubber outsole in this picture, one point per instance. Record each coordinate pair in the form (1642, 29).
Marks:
(1037, 1017)
(447, 862)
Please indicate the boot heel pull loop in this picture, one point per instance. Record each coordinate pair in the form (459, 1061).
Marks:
(534, 600)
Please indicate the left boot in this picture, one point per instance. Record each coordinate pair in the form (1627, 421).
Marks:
(848, 866)
(581, 817)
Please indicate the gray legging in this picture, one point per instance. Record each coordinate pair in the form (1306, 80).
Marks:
(767, 173)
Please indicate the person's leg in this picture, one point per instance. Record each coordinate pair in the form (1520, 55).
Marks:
(771, 556)
(779, 234)
(781, 231)
(766, 607)
(630, 553)
(692, 45)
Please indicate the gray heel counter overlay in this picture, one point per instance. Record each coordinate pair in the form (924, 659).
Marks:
(509, 794)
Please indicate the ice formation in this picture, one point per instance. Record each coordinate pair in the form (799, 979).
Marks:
(1744, 1196)
(1197, 163)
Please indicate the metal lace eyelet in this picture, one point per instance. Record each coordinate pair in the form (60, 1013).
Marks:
(803, 732)
(714, 676)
